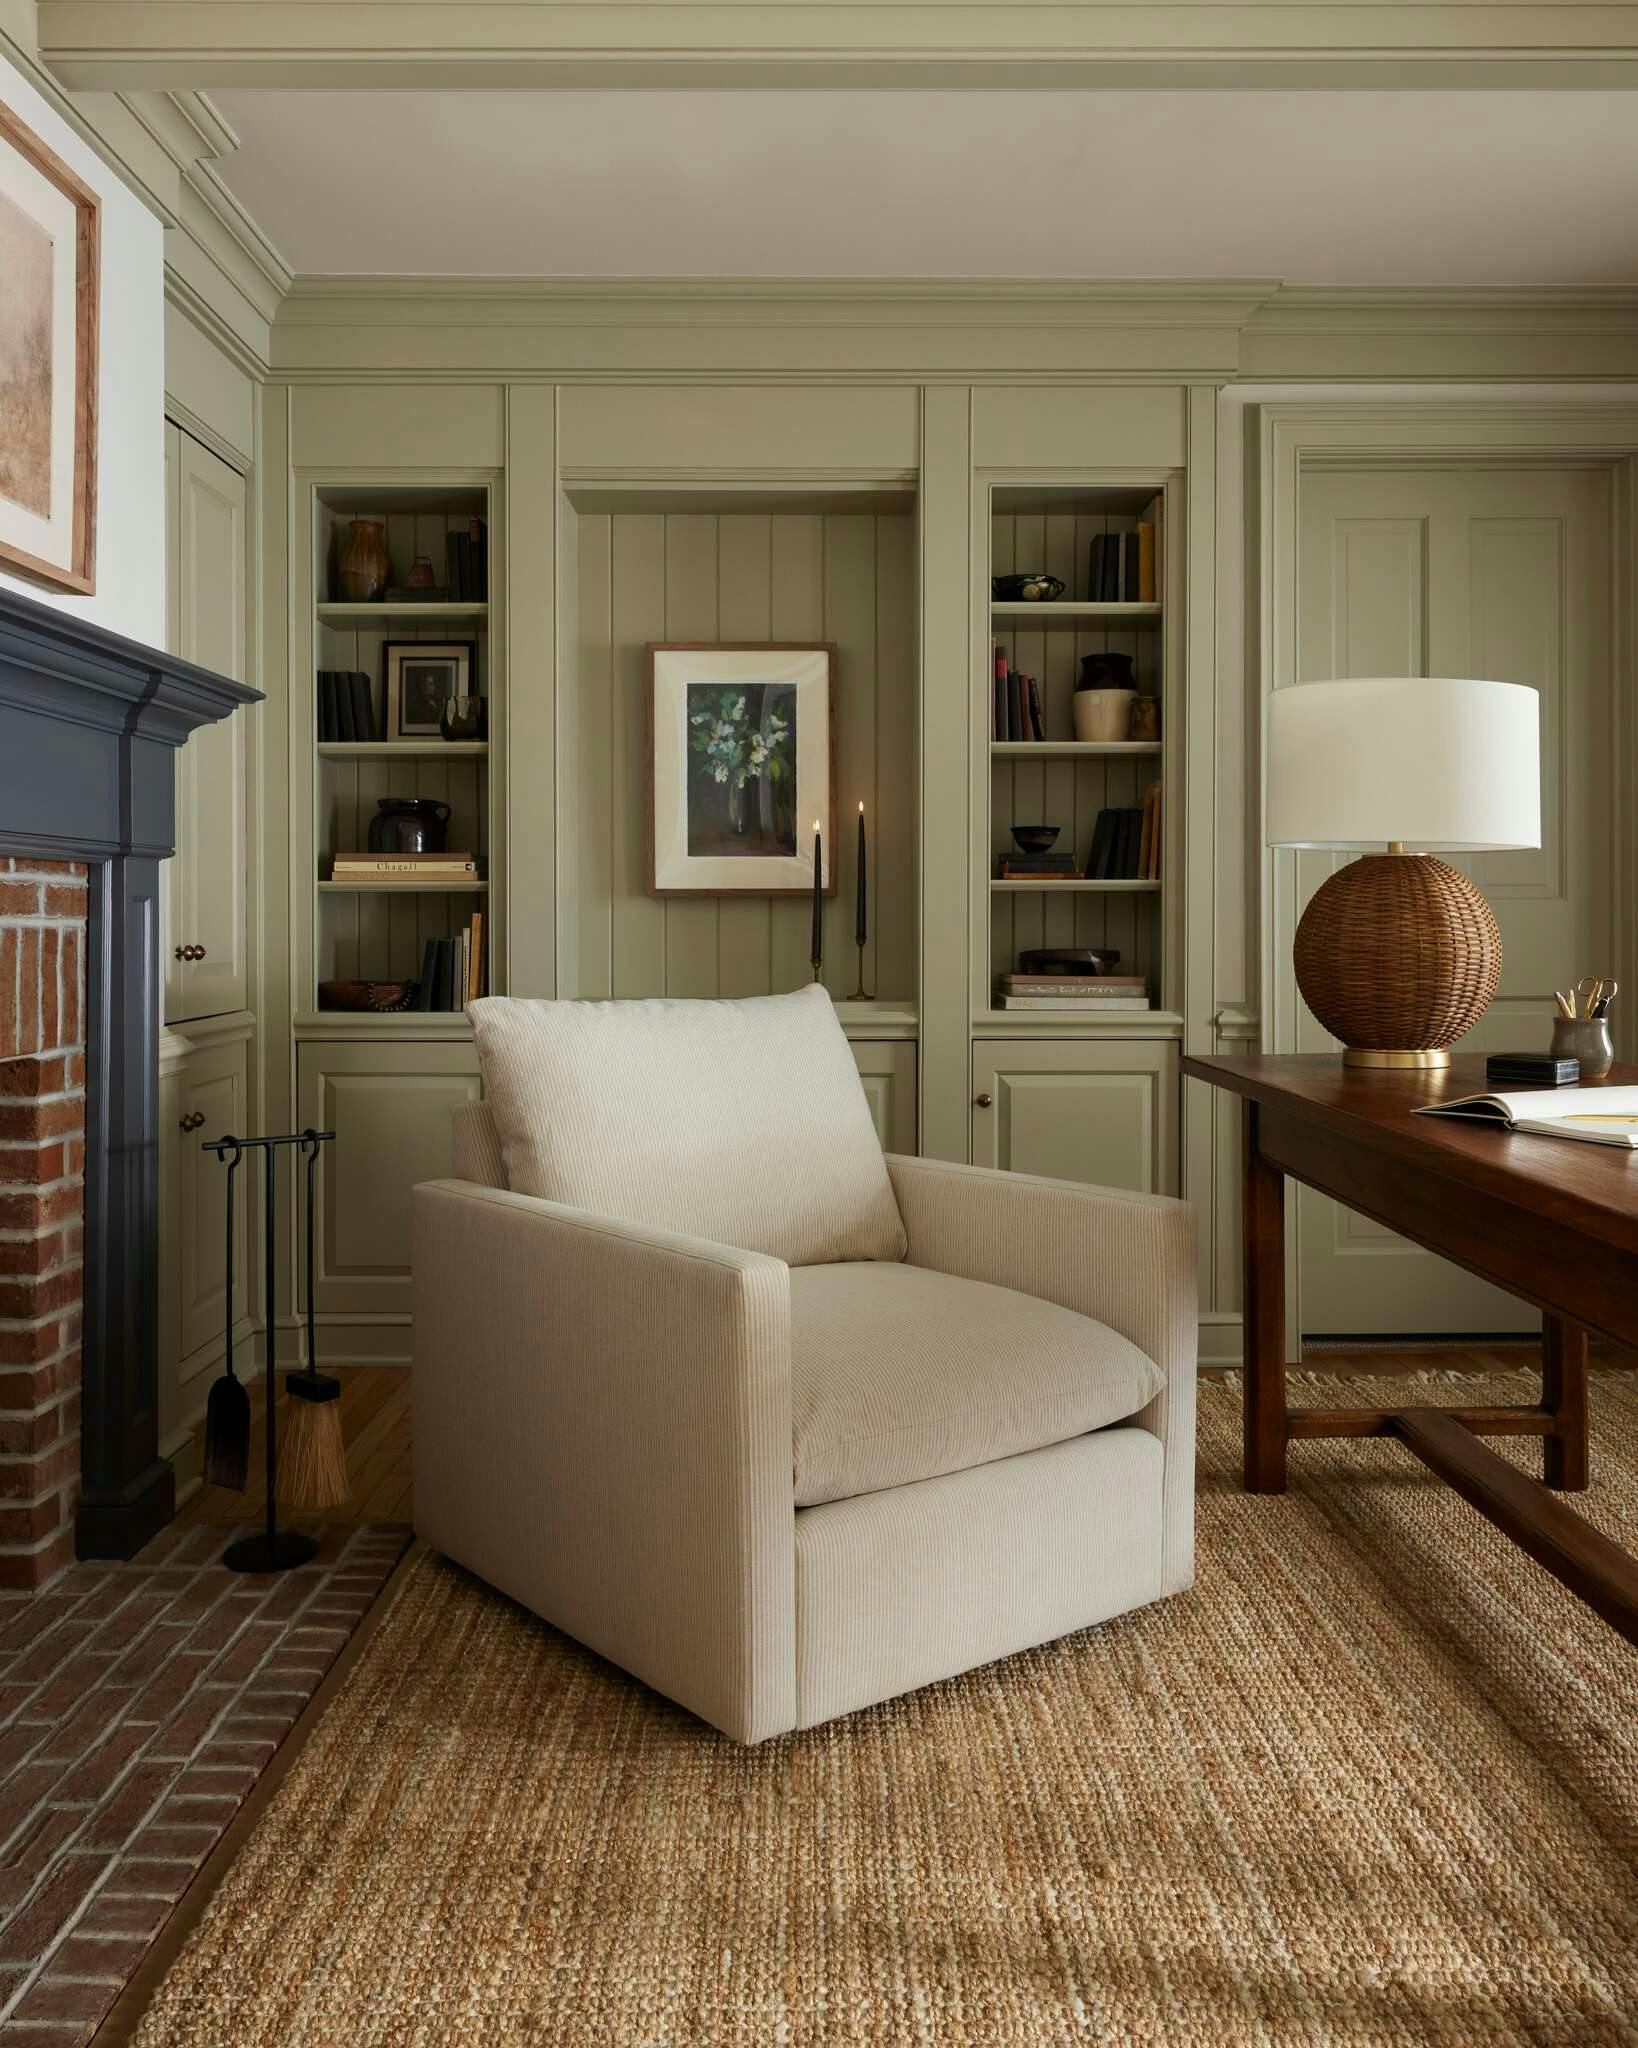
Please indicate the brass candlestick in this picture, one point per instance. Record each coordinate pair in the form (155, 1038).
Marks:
(817, 966)
(860, 994)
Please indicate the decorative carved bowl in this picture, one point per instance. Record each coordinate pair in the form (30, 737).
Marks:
(1035, 838)
(1037, 588)
(365, 995)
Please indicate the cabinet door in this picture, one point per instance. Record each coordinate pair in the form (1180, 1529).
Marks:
(1099, 1111)
(390, 1108)
(213, 1086)
(888, 1071)
(208, 892)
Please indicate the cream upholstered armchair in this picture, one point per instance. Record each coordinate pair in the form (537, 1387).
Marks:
(782, 1427)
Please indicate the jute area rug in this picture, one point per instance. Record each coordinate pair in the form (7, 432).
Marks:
(1375, 1781)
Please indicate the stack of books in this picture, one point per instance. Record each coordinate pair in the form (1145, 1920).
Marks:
(1037, 867)
(453, 971)
(1126, 568)
(347, 706)
(394, 869)
(466, 564)
(1105, 995)
(1126, 842)
(1015, 704)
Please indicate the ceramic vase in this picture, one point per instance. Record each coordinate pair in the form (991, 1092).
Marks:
(365, 564)
(1103, 715)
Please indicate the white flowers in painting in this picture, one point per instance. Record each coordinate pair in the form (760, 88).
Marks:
(737, 751)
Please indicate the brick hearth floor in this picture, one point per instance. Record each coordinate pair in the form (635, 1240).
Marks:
(138, 1705)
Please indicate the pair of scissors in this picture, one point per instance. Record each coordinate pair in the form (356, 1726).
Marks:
(1596, 993)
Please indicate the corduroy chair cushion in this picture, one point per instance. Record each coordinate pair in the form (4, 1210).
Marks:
(899, 1374)
(742, 1122)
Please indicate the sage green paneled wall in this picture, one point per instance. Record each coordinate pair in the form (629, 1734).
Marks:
(849, 578)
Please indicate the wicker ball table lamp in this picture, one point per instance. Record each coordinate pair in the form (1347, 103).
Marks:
(1397, 953)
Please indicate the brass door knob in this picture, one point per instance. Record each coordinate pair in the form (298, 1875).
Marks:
(982, 1101)
(192, 1120)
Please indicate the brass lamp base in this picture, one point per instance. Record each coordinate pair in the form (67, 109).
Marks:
(1367, 1056)
(1397, 955)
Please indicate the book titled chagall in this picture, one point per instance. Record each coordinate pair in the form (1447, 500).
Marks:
(404, 867)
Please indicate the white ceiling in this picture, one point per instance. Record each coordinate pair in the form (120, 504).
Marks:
(1310, 187)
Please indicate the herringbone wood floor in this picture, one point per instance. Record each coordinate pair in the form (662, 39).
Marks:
(375, 1420)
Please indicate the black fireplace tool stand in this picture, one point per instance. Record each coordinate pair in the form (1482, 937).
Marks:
(271, 1549)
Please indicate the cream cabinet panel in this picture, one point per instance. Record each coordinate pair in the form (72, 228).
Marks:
(1022, 426)
(206, 943)
(390, 1108)
(211, 1101)
(407, 426)
(888, 1071)
(1103, 1112)
(651, 429)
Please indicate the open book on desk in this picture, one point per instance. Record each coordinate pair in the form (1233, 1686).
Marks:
(1595, 1116)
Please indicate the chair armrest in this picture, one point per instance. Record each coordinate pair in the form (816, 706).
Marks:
(602, 1429)
(1126, 1259)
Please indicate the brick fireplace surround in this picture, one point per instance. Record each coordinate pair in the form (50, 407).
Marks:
(42, 1210)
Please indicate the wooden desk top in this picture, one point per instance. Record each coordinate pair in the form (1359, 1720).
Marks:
(1592, 1189)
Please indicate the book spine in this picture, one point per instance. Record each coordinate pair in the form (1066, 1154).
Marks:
(1094, 568)
(1146, 562)
(443, 986)
(1129, 584)
(358, 870)
(1036, 718)
(1015, 706)
(344, 707)
(1112, 1006)
(429, 972)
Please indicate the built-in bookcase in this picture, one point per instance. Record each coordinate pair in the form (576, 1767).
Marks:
(1062, 781)
(378, 932)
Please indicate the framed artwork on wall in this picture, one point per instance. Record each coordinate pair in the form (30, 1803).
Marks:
(421, 677)
(49, 267)
(741, 763)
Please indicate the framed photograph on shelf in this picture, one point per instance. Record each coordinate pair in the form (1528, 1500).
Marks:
(741, 762)
(49, 263)
(421, 677)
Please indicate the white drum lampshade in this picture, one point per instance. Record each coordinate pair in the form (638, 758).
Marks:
(1398, 954)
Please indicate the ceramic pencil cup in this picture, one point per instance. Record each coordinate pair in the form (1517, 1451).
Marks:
(1586, 1039)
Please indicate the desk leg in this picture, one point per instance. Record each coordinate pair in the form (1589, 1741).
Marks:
(1564, 1393)
(1263, 1230)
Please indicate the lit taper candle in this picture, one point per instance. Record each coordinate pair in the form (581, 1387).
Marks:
(816, 958)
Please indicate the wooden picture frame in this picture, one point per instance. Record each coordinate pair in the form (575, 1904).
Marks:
(734, 787)
(408, 713)
(49, 220)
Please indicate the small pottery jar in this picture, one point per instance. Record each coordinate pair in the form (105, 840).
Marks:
(365, 564)
(408, 824)
(1144, 723)
(1103, 714)
(420, 575)
(1586, 1039)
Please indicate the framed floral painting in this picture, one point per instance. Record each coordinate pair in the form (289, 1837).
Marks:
(49, 263)
(741, 765)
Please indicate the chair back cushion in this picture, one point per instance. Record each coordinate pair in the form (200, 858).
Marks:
(743, 1122)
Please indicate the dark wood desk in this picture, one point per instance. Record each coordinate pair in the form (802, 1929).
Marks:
(1553, 1222)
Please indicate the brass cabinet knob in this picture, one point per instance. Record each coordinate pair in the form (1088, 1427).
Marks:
(182, 953)
(199, 952)
(192, 1120)
(982, 1101)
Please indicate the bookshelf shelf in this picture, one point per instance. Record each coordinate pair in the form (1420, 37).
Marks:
(470, 887)
(1077, 885)
(1049, 750)
(1076, 616)
(402, 750)
(356, 615)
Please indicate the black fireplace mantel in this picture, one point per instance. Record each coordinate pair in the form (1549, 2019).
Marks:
(89, 727)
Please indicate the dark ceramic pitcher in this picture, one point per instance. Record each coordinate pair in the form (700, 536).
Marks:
(408, 824)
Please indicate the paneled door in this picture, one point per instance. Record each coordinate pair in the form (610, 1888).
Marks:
(211, 1099)
(205, 946)
(1101, 1111)
(1501, 573)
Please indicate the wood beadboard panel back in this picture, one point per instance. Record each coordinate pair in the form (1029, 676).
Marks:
(1068, 793)
(846, 578)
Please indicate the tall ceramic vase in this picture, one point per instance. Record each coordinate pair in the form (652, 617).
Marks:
(365, 564)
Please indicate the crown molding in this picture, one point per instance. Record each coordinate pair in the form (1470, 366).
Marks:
(1489, 309)
(360, 44)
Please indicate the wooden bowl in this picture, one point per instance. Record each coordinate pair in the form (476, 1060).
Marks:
(1035, 838)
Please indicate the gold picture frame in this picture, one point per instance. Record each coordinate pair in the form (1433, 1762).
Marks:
(50, 252)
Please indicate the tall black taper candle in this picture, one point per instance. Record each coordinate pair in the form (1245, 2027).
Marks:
(816, 958)
(861, 923)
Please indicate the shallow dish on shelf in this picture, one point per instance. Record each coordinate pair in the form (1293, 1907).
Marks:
(1069, 960)
(1037, 588)
(1035, 838)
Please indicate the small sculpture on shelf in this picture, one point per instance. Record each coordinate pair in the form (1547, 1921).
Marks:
(1144, 721)
(465, 718)
(1035, 588)
(366, 995)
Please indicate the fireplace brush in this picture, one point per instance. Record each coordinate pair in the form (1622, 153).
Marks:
(317, 1472)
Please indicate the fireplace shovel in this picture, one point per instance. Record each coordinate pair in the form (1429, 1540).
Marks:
(227, 1414)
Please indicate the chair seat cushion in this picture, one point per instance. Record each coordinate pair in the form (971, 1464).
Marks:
(899, 1374)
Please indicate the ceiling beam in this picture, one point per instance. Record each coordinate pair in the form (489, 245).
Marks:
(174, 44)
